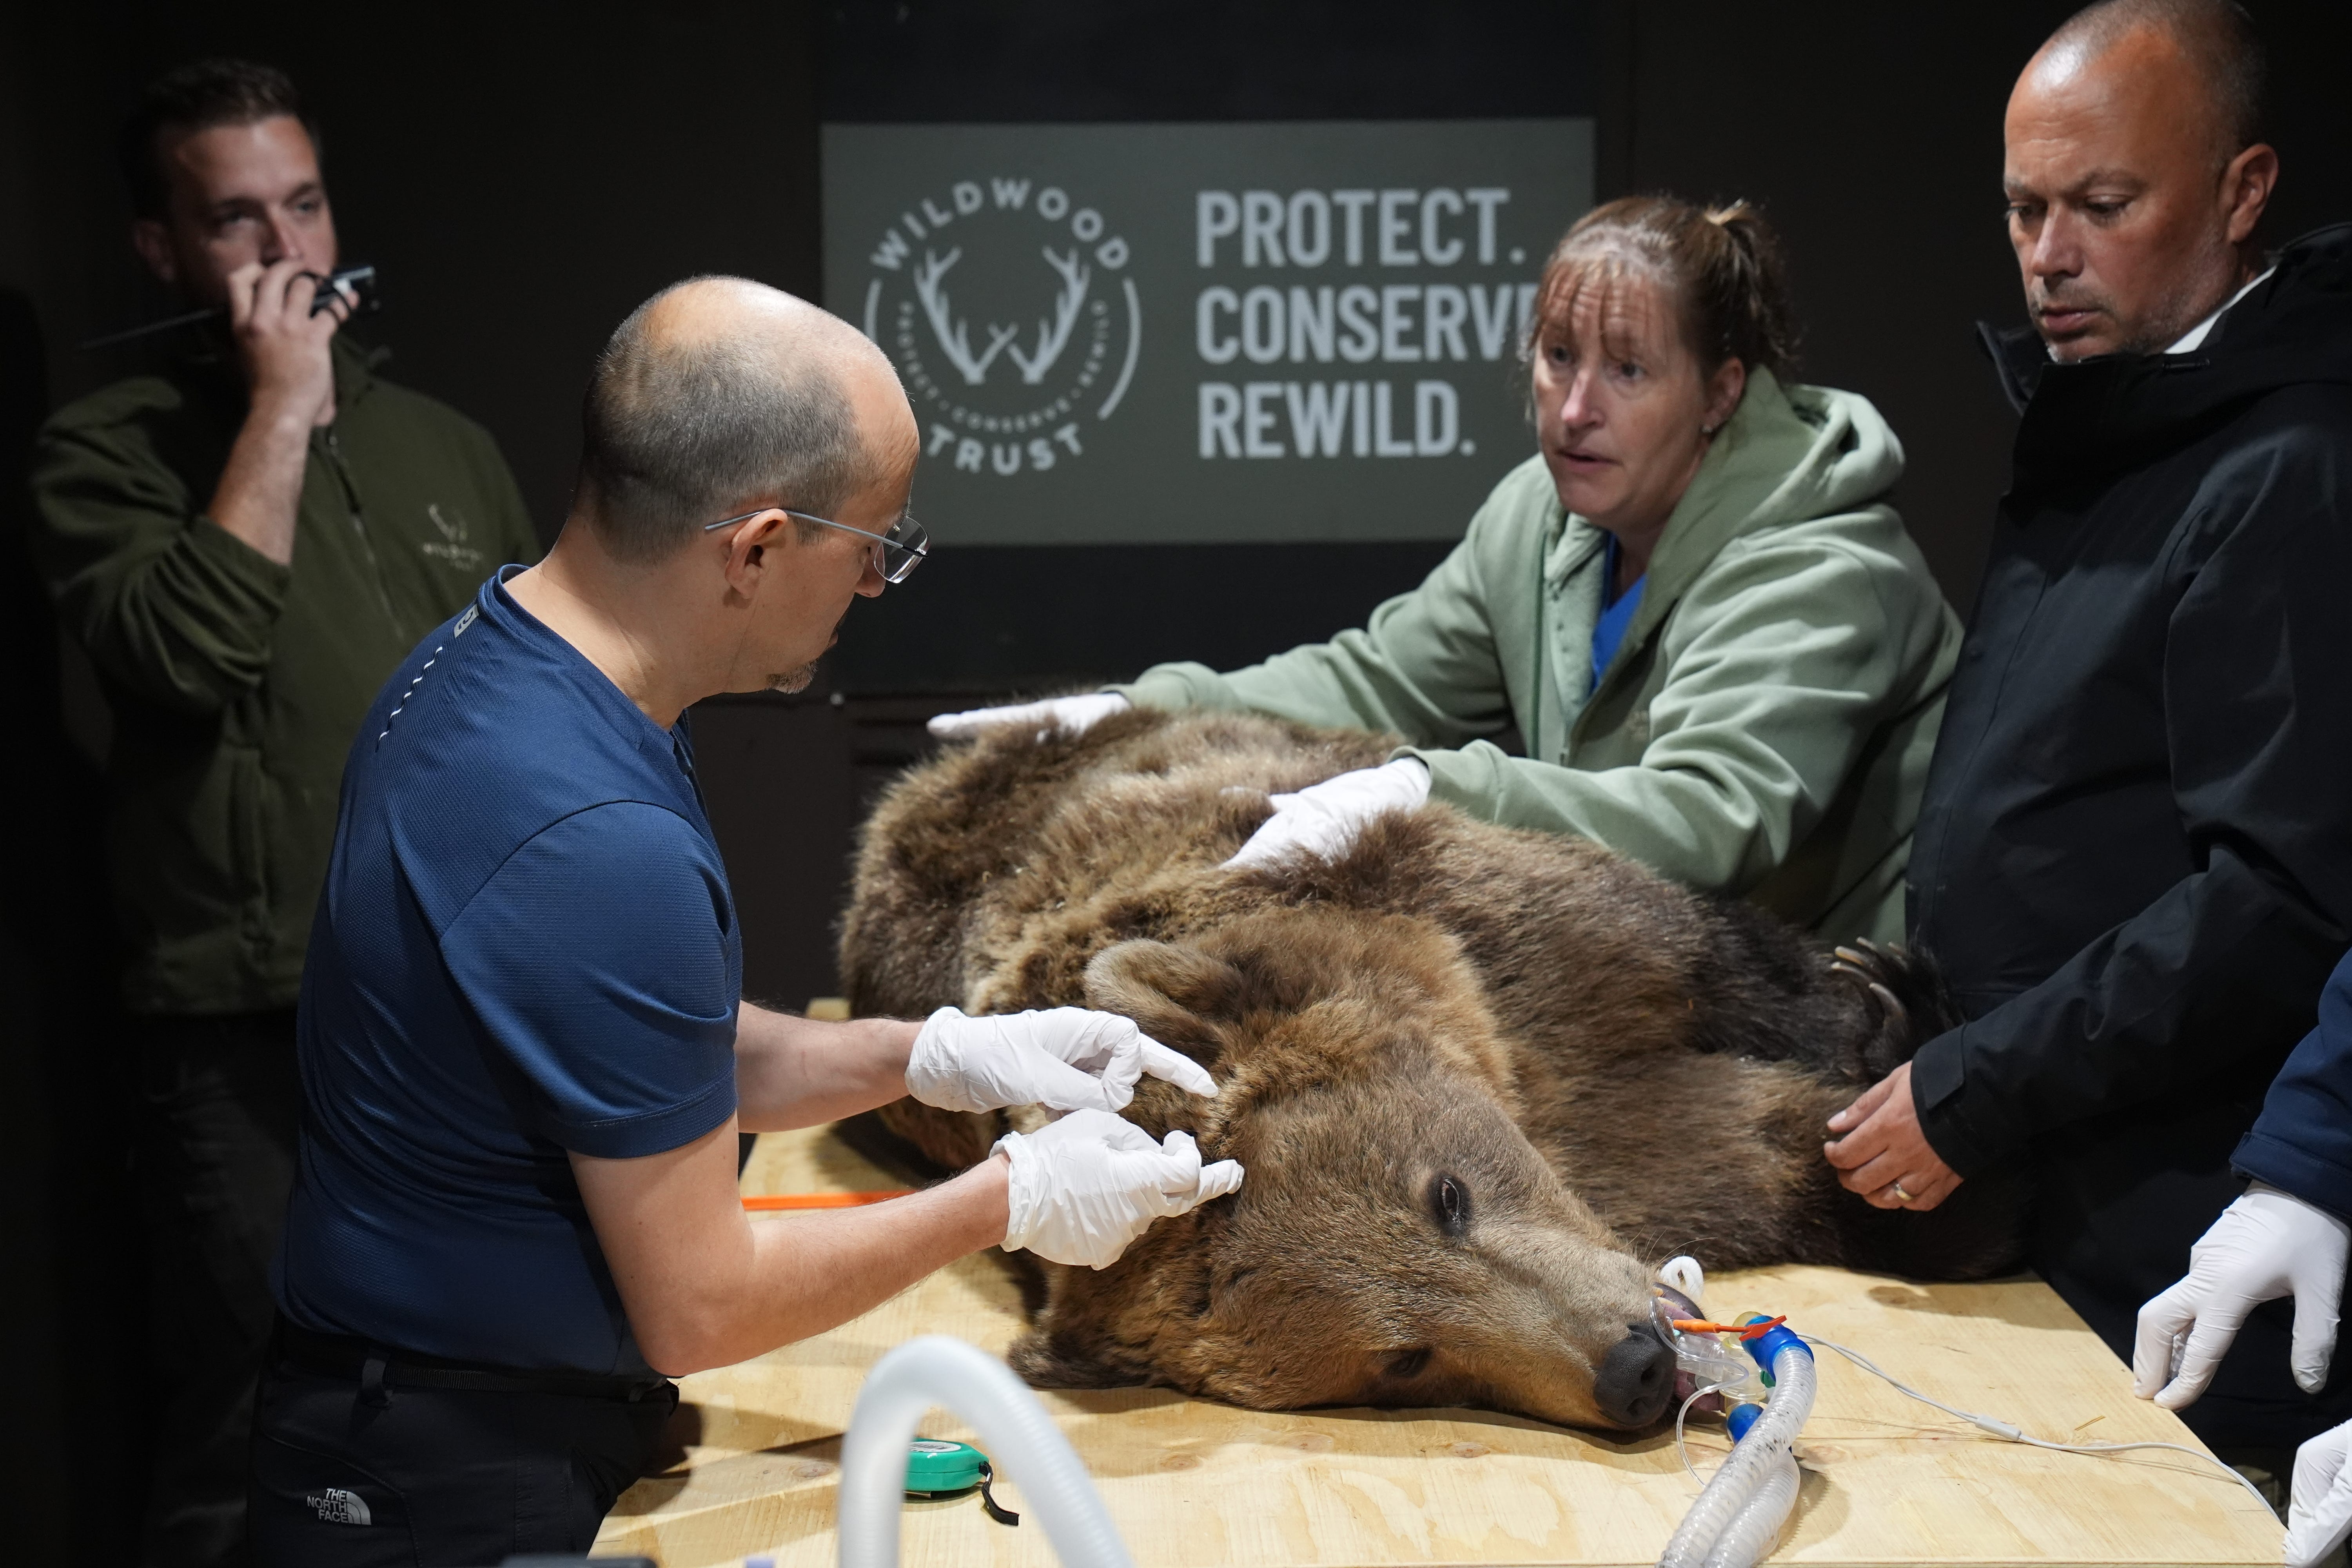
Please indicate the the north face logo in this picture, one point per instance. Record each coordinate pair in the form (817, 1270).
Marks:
(336, 1506)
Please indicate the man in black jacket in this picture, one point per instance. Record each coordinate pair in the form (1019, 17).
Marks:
(2134, 856)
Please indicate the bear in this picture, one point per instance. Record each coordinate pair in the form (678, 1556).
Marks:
(1483, 1080)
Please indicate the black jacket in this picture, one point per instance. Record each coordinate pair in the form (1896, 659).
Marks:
(2134, 856)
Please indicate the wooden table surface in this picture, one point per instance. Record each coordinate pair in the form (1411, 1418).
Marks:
(1886, 1481)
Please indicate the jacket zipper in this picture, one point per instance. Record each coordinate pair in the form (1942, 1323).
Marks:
(359, 526)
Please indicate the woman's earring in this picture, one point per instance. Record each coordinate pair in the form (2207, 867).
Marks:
(1709, 430)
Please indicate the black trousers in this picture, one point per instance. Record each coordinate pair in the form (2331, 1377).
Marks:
(361, 1470)
(218, 1103)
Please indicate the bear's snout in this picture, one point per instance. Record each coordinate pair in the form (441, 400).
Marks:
(1636, 1378)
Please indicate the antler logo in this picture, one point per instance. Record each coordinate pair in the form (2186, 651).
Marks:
(955, 341)
(452, 546)
(1074, 349)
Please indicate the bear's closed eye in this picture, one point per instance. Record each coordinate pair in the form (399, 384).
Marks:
(1409, 1363)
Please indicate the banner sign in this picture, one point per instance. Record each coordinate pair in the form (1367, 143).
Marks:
(1159, 333)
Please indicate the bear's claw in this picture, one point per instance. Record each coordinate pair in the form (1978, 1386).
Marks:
(1870, 968)
(1905, 989)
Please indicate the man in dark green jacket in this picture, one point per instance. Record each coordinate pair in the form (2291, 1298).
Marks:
(245, 545)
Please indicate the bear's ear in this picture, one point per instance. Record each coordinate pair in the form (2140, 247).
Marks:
(1178, 994)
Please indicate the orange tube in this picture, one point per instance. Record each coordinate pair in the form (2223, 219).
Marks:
(1745, 1331)
(770, 1201)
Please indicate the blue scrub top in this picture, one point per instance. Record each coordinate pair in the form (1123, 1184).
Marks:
(526, 947)
(1616, 613)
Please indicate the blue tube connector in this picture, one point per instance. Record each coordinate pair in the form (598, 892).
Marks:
(1770, 1344)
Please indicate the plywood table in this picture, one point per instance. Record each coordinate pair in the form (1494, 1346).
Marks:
(1886, 1481)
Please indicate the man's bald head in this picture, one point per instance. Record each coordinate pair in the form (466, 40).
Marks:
(2133, 195)
(2215, 39)
(719, 395)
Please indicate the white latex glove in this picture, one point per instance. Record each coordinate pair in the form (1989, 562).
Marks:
(1084, 1187)
(2266, 1245)
(1065, 1058)
(1324, 819)
(2320, 1516)
(1075, 714)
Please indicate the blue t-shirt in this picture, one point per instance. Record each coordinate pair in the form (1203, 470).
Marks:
(1616, 613)
(526, 945)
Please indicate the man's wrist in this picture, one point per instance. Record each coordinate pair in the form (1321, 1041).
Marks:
(282, 415)
(883, 1045)
(991, 1189)
(893, 1040)
(1938, 1080)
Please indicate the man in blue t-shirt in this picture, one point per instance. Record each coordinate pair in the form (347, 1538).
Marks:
(524, 1054)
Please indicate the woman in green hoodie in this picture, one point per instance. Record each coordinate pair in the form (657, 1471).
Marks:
(1725, 657)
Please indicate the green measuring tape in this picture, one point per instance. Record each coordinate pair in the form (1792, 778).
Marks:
(936, 1467)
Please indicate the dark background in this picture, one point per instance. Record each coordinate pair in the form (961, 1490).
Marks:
(524, 174)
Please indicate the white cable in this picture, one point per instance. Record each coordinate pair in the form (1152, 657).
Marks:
(2012, 1434)
(1683, 1452)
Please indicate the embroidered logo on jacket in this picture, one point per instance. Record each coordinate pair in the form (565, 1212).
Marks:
(451, 547)
(336, 1506)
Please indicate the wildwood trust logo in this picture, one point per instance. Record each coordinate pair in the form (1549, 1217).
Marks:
(1009, 311)
(1336, 311)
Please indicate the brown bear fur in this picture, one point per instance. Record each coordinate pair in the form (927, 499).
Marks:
(1482, 1079)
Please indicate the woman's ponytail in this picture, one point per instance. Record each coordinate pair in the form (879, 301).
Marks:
(1752, 320)
(1724, 263)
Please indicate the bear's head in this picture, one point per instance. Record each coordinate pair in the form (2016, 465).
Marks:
(1397, 1240)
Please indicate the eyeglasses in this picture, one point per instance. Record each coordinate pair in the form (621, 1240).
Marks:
(896, 553)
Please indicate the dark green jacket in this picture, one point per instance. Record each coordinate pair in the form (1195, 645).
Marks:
(236, 683)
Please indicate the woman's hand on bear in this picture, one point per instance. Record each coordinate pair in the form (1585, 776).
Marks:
(1063, 1059)
(1075, 714)
(1325, 818)
(1079, 1191)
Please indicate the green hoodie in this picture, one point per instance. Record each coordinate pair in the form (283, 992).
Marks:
(1765, 725)
(236, 683)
